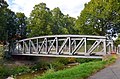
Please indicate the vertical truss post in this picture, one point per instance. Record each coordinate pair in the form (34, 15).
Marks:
(18, 48)
(56, 45)
(37, 46)
(74, 43)
(46, 45)
(85, 39)
(23, 49)
(104, 46)
(29, 47)
(70, 51)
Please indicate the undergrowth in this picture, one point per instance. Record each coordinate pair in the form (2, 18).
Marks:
(81, 71)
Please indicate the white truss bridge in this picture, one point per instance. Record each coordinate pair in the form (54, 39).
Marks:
(79, 46)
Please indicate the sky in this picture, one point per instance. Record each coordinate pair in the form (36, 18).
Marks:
(71, 7)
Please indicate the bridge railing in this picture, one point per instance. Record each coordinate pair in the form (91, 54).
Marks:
(79, 45)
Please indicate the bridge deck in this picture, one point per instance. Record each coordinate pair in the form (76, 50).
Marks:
(73, 56)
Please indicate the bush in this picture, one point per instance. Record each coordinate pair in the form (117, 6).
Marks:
(72, 60)
(85, 60)
(4, 71)
(39, 65)
(49, 71)
(20, 70)
(64, 61)
(56, 65)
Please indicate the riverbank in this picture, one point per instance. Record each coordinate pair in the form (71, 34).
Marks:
(81, 71)
(31, 69)
(22, 71)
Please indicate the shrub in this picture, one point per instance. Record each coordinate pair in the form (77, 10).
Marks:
(20, 70)
(49, 71)
(85, 60)
(56, 65)
(39, 65)
(64, 61)
(72, 60)
(4, 71)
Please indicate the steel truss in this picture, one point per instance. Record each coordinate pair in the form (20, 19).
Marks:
(63, 46)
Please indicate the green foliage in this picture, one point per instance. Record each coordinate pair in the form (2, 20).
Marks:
(117, 41)
(21, 24)
(20, 70)
(3, 19)
(39, 22)
(40, 65)
(10, 22)
(85, 60)
(56, 65)
(64, 61)
(62, 24)
(49, 71)
(71, 60)
(98, 17)
(81, 71)
(6, 71)
(43, 21)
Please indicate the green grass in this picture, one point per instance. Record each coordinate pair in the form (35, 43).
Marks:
(81, 71)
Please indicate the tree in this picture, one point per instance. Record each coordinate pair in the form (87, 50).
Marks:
(3, 7)
(57, 18)
(62, 24)
(7, 22)
(40, 21)
(99, 17)
(21, 24)
(43, 21)
(10, 23)
(69, 24)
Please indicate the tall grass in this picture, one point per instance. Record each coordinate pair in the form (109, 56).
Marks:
(81, 71)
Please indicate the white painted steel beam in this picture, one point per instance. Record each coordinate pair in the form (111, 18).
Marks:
(70, 45)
